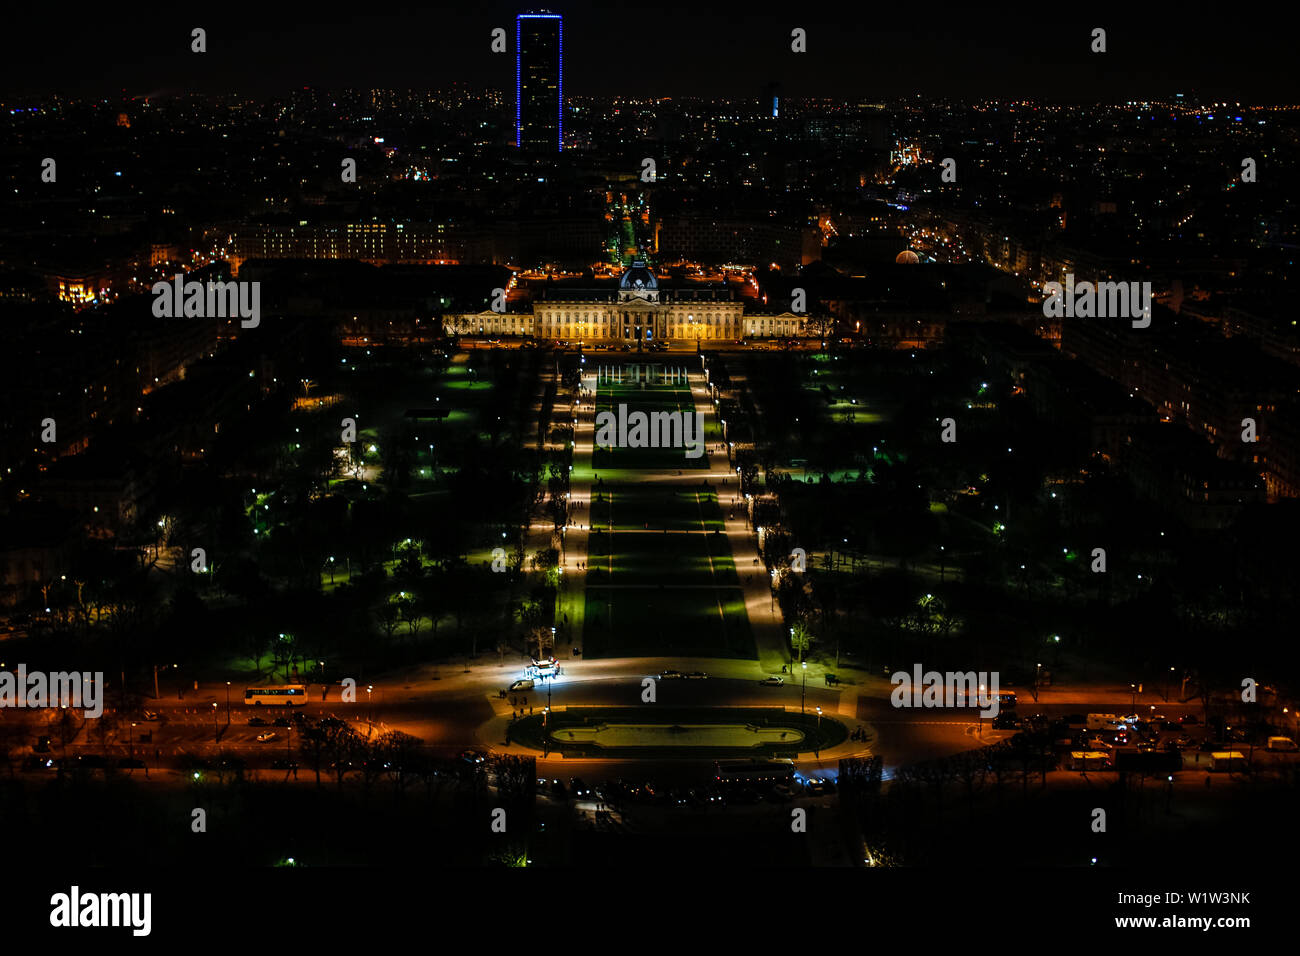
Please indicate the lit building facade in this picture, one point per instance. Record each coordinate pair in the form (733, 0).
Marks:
(637, 312)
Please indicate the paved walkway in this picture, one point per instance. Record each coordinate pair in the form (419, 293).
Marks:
(765, 618)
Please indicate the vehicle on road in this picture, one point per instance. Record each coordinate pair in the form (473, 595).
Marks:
(772, 681)
(1228, 760)
(1111, 722)
(670, 675)
(1089, 760)
(544, 667)
(1005, 722)
(696, 675)
(753, 771)
(151, 715)
(282, 695)
(268, 736)
(525, 684)
(1282, 744)
(1189, 719)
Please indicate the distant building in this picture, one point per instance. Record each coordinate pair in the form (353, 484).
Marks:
(539, 82)
(637, 311)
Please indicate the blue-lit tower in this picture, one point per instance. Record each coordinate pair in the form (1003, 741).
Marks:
(539, 82)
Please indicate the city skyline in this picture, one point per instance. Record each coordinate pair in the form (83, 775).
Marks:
(1026, 53)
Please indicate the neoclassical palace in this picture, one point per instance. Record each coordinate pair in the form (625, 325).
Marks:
(638, 312)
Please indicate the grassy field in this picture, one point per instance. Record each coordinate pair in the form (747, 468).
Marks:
(661, 580)
(649, 398)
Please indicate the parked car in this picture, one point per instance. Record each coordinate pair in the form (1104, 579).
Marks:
(151, 715)
(772, 681)
(1005, 722)
(282, 722)
(256, 722)
(267, 737)
(1189, 719)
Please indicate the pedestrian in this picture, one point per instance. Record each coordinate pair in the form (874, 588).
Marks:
(530, 712)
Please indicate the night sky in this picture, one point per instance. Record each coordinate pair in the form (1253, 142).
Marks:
(674, 48)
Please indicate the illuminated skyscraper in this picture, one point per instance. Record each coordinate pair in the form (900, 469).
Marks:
(539, 82)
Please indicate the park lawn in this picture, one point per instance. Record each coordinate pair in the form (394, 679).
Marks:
(666, 622)
(649, 399)
(653, 559)
(675, 506)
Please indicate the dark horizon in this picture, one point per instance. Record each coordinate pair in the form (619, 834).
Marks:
(679, 51)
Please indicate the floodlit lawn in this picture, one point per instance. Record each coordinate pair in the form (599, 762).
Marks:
(667, 621)
(648, 399)
(660, 581)
(679, 507)
(654, 559)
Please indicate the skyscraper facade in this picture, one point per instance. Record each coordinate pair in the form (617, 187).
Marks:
(539, 82)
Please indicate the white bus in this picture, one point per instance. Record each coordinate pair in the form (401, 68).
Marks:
(282, 695)
(1109, 721)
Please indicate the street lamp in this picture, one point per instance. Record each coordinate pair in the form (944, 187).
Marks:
(1038, 673)
(215, 732)
(1133, 690)
(227, 703)
(370, 713)
(819, 721)
(804, 694)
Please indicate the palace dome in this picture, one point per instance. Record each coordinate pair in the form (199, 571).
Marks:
(638, 278)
